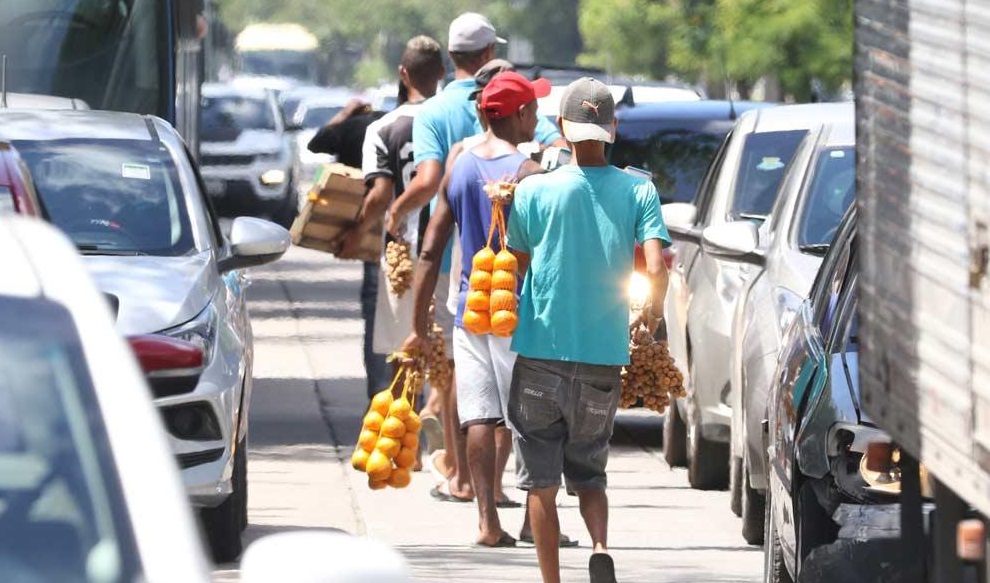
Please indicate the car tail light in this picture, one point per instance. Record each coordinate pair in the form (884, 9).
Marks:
(172, 366)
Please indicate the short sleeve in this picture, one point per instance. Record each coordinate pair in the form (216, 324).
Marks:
(326, 140)
(427, 139)
(518, 235)
(546, 131)
(649, 219)
(374, 153)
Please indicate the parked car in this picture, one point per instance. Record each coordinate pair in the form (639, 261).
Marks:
(17, 194)
(124, 189)
(740, 185)
(786, 253)
(247, 154)
(821, 486)
(312, 114)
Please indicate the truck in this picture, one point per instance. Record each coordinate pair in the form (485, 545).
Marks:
(923, 122)
(280, 50)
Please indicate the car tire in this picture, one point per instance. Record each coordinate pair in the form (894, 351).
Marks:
(708, 461)
(674, 438)
(813, 526)
(735, 486)
(753, 506)
(223, 523)
(241, 471)
(774, 569)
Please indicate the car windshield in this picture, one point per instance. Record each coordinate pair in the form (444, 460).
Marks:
(300, 65)
(833, 189)
(109, 54)
(112, 197)
(317, 117)
(224, 118)
(764, 158)
(62, 515)
(677, 159)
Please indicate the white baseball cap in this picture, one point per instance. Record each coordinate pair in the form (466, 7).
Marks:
(471, 32)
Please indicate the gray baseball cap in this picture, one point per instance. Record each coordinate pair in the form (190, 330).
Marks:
(486, 72)
(588, 111)
(471, 32)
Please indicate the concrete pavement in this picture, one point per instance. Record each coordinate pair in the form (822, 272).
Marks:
(307, 405)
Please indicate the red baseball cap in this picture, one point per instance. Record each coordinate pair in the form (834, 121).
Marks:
(508, 91)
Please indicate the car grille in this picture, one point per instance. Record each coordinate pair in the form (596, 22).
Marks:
(226, 159)
(189, 460)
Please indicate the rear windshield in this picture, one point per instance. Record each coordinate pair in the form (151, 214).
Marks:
(833, 189)
(677, 158)
(764, 158)
(111, 197)
(224, 118)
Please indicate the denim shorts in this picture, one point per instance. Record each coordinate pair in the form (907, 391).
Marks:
(562, 415)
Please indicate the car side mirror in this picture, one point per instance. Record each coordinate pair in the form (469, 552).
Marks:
(327, 556)
(732, 240)
(679, 215)
(254, 242)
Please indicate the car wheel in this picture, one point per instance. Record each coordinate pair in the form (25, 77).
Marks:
(753, 506)
(735, 486)
(223, 523)
(674, 438)
(708, 461)
(774, 569)
(241, 471)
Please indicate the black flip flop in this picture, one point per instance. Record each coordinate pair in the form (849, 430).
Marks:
(446, 497)
(565, 541)
(505, 540)
(508, 503)
(601, 568)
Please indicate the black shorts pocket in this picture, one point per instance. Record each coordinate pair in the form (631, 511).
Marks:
(533, 400)
(596, 407)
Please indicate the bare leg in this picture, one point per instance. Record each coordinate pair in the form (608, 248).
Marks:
(481, 461)
(594, 510)
(542, 509)
(503, 447)
(455, 443)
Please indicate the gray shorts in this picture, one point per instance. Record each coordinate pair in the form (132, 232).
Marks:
(562, 415)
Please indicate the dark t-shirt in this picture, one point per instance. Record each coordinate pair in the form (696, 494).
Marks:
(344, 140)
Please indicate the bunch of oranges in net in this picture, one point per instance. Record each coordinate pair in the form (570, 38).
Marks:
(491, 305)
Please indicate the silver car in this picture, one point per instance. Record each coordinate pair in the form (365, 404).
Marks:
(312, 114)
(787, 250)
(124, 190)
(740, 186)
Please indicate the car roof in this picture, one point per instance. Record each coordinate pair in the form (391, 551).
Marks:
(800, 117)
(840, 132)
(702, 109)
(23, 124)
(229, 90)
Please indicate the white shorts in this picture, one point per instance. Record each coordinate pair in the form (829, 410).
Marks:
(393, 315)
(483, 370)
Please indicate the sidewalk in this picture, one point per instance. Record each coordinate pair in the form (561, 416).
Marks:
(307, 406)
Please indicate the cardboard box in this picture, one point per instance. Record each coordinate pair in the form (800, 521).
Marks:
(333, 205)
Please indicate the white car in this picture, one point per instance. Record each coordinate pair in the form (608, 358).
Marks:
(312, 114)
(740, 186)
(124, 189)
(88, 488)
(786, 252)
(247, 153)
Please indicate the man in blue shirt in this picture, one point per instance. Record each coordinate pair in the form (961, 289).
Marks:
(573, 231)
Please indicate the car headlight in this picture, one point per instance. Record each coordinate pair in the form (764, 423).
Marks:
(867, 464)
(273, 177)
(200, 331)
(638, 290)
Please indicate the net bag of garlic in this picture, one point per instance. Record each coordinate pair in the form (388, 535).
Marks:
(652, 378)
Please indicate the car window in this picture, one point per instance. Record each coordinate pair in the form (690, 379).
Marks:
(317, 117)
(827, 304)
(764, 158)
(223, 119)
(62, 514)
(845, 336)
(677, 158)
(833, 189)
(111, 196)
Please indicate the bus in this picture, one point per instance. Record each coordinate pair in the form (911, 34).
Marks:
(280, 50)
(139, 56)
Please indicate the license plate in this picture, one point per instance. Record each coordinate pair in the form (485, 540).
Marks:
(216, 187)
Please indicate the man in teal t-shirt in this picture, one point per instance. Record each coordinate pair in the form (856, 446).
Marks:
(574, 231)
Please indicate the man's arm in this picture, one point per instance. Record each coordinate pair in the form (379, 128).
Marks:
(327, 138)
(656, 272)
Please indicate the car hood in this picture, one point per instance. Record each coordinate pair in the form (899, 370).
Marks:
(248, 142)
(155, 293)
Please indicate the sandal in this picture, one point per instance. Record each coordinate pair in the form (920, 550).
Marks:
(507, 503)
(601, 568)
(442, 493)
(505, 540)
(433, 464)
(565, 541)
(433, 432)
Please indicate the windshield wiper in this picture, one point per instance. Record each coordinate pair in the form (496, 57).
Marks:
(819, 249)
(97, 250)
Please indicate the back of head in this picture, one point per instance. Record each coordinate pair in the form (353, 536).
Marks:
(469, 38)
(423, 61)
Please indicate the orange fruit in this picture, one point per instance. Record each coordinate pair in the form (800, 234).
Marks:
(477, 322)
(373, 421)
(388, 446)
(506, 261)
(504, 323)
(483, 260)
(401, 409)
(377, 484)
(359, 460)
(381, 401)
(400, 478)
(413, 423)
(504, 280)
(480, 280)
(406, 458)
(367, 440)
(394, 428)
(502, 299)
(410, 440)
(477, 300)
(379, 467)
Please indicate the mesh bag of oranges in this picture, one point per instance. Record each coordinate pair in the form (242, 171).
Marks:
(389, 440)
(491, 301)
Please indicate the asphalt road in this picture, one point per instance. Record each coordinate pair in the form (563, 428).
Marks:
(307, 404)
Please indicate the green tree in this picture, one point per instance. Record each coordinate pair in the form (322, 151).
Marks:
(626, 36)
